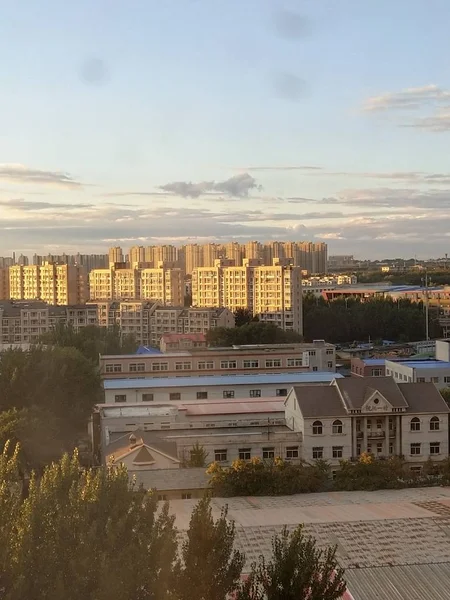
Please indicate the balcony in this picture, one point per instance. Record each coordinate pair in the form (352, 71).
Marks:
(376, 434)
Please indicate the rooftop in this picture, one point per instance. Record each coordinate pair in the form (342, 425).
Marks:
(393, 544)
(426, 364)
(373, 362)
(288, 379)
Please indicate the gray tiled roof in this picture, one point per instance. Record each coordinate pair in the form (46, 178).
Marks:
(423, 397)
(172, 479)
(120, 445)
(319, 401)
(354, 390)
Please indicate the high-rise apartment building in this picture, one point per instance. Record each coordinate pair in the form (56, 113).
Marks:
(271, 292)
(193, 256)
(4, 283)
(54, 284)
(136, 256)
(211, 252)
(165, 254)
(116, 255)
(253, 250)
(162, 284)
(235, 252)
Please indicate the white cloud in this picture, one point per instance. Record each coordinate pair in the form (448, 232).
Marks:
(20, 174)
(410, 98)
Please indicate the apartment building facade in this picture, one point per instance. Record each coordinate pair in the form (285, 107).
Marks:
(23, 323)
(149, 321)
(274, 293)
(4, 283)
(370, 414)
(237, 360)
(54, 284)
(161, 284)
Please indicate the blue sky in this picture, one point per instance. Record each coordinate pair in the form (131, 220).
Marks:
(189, 120)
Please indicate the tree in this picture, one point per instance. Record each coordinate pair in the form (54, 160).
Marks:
(445, 393)
(91, 340)
(198, 456)
(251, 333)
(242, 316)
(83, 534)
(210, 569)
(298, 570)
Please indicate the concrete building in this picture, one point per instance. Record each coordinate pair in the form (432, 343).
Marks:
(115, 255)
(162, 284)
(370, 414)
(219, 387)
(317, 356)
(52, 283)
(149, 321)
(368, 367)
(4, 283)
(420, 371)
(171, 342)
(272, 292)
(23, 323)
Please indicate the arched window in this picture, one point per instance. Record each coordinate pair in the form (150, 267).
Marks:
(337, 426)
(317, 428)
(415, 424)
(434, 424)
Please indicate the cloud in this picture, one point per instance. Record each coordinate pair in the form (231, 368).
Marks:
(25, 205)
(133, 193)
(290, 25)
(437, 123)
(394, 198)
(238, 186)
(289, 86)
(20, 174)
(410, 98)
(284, 168)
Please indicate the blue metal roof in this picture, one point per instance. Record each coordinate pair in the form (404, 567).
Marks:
(148, 350)
(373, 362)
(426, 364)
(204, 381)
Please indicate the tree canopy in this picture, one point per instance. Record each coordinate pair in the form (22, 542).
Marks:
(255, 332)
(342, 320)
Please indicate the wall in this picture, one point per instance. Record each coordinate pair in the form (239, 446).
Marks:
(327, 440)
(424, 437)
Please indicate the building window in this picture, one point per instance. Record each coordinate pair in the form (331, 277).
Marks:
(147, 397)
(116, 368)
(281, 392)
(380, 448)
(245, 453)
(120, 398)
(420, 380)
(415, 424)
(140, 367)
(228, 364)
(329, 364)
(317, 453)
(435, 447)
(415, 449)
(329, 351)
(337, 426)
(268, 453)
(295, 362)
(314, 368)
(275, 362)
(205, 365)
(183, 366)
(220, 455)
(228, 394)
(416, 470)
(391, 448)
(312, 352)
(251, 364)
(317, 428)
(202, 395)
(434, 424)
(255, 393)
(377, 373)
(175, 396)
(160, 366)
(186, 496)
(292, 452)
(162, 497)
(337, 451)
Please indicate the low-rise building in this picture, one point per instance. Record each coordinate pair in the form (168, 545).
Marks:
(370, 414)
(368, 367)
(220, 387)
(171, 342)
(420, 371)
(246, 359)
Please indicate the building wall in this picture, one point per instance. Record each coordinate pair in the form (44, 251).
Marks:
(359, 368)
(327, 440)
(201, 361)
(403, 373)
(424, 437)
(4, 283)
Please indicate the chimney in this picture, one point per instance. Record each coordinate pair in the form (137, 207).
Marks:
(133, 441)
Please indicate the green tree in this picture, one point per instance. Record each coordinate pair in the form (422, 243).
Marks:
(209, 568)
(251, 333)
(198, 456)
(298, 570)
(242, 316)
(445, 393)
(83, 534)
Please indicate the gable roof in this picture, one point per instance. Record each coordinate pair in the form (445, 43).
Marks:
(143, 456)
(319, 401)
(120, 447)
(423, 398)
(353, 391)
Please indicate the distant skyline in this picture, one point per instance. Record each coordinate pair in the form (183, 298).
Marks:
(189, 121)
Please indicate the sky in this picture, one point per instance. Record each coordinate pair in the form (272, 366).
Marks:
(145, 122)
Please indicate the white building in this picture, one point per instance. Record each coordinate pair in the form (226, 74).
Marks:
(369, 414)
(420, 371)
(220, 387)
